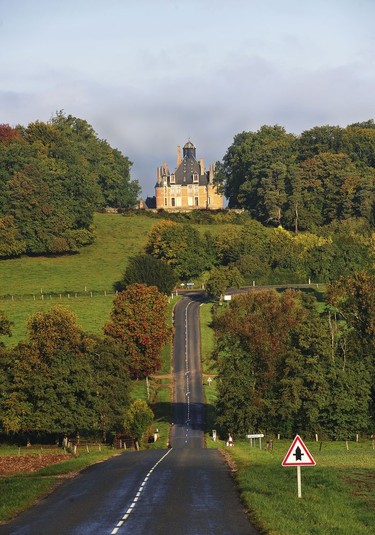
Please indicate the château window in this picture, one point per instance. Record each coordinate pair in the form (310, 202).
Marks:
(195, 177)
(172, 179)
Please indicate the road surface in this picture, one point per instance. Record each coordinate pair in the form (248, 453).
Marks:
(184, 490)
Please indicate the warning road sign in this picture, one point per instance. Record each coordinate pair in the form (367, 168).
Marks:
(298, 454)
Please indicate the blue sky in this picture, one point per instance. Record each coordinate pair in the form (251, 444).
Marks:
(150, 74)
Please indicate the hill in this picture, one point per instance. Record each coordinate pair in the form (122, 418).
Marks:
(37, 282)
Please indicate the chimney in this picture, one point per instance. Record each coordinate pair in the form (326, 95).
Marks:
(201, 162)
(179, 160)
(211, 174)
(159, 175)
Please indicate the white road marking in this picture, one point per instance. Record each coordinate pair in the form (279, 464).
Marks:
(136, 498)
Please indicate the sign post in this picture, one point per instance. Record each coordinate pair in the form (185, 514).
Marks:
(254, 436)
(298, 455)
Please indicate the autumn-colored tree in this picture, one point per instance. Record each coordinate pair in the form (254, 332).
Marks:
(51, 378)
(259, 325)
(62, 381)
(7, 133)
(138, 323)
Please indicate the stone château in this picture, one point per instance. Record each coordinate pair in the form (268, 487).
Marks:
(190, 186)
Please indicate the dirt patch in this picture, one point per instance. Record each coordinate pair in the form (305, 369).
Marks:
(29, 463)
(232, 465)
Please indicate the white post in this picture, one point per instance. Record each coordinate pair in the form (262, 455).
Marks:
(148, 388)
(299, 481)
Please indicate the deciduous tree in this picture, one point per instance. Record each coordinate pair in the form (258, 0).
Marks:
(138, 323)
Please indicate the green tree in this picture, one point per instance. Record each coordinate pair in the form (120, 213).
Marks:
(112, 385)
(52, 385)
(180, 246)
(253, 162)
(138, 419)
(222, 278)
(147, 269)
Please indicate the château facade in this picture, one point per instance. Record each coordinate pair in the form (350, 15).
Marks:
(190, 186)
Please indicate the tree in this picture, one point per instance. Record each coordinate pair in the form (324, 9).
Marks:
(258, 325)
(52, 177)
(52, 384)
(138, 419)
(222, 278)
(112, 384)
(147, 269)
(10, 243)
(138, 323)
(5, 326)
(180, 246)
(255, 161)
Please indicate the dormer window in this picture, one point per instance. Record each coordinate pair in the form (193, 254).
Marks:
(172, 179)
(195, 178)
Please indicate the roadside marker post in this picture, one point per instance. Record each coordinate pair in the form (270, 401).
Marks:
(298, 455)
(254, 436)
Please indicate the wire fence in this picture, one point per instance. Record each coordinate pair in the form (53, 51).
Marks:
(58, 296)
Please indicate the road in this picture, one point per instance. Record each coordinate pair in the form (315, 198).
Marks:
(184, 490)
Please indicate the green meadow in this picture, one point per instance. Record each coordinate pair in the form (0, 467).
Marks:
(82, 282)
(338, 494)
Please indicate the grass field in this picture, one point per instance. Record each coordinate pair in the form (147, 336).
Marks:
(36, 283)
(338, 494)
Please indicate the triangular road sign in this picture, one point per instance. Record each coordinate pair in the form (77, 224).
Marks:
(298, 454)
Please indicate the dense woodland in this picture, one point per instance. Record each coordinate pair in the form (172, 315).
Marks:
(61, 380)
(302, 182)
(286, 362)
(53, 176)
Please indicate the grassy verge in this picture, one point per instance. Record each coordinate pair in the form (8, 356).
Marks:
(21, 491)
(207, 338)
(338, 494)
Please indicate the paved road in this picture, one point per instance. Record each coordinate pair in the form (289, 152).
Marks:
(188, 402)
(184, 490)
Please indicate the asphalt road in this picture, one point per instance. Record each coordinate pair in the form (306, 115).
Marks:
(184, 490)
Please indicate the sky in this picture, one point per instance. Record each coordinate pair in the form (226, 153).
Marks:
(149, 75)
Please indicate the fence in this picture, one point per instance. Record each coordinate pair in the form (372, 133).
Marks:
(58, 296)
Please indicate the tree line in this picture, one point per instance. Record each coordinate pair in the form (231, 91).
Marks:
(53, 176)
(238, 254)
(284, 367)
(62, 381)
(325, 175)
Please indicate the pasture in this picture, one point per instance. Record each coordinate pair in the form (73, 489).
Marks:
(82, 282)
(338, 494)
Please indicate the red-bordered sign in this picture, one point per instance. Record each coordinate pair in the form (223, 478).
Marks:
(298, 454)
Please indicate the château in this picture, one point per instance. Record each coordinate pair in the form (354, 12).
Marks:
(190, 186)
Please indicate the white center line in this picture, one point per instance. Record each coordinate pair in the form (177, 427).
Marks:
(141, 488)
